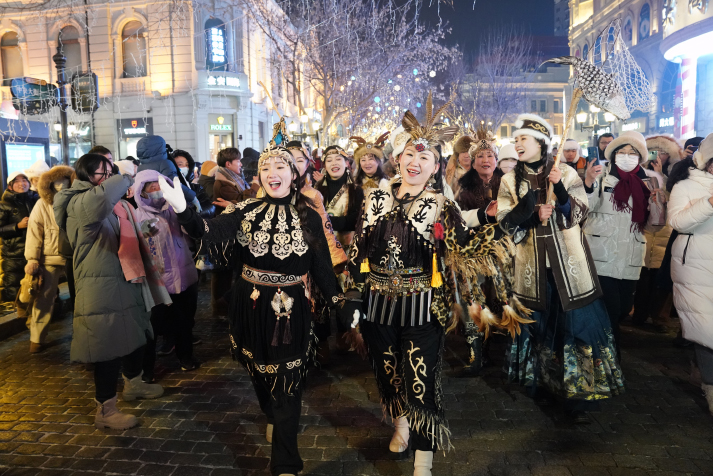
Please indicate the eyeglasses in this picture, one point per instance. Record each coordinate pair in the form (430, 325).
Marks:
(106, 174)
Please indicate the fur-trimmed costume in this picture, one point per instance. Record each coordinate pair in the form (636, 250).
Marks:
(414, 260)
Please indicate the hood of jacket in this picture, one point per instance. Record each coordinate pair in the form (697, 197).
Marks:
(63, 197)
(151, 149)
(44, 186)
(140, 180)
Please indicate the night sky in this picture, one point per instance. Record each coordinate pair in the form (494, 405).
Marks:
(468, 23)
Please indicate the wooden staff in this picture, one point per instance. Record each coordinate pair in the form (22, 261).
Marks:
(576, 96)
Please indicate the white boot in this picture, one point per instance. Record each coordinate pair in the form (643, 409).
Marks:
(108, 416)
(268, 432)
(136, 388)
(422, 463)
(708, 391)
(399, 442)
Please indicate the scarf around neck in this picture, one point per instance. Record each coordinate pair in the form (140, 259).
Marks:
(233, 177)
(631, 185)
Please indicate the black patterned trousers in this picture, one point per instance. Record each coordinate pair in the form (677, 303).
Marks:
(407, 361)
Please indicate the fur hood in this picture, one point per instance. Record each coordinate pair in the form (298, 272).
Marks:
(44, 187)
(668, 145)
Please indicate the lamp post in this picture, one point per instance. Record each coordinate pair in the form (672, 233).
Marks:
(594, 126)
(60, 61)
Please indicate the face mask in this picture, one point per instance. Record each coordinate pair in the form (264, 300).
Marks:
(627, 162)
(184, 171)
(155, 196)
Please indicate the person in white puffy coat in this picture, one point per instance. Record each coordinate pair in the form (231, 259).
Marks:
(618, 212)
(690, 212)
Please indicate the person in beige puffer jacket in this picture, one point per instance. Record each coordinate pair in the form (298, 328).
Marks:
(42, 252)
(649, 300)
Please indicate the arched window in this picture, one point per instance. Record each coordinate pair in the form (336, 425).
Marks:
(585, 52)
(645, 22)
(11, 57)
(68, 42)
(134, 52)
(216, 45)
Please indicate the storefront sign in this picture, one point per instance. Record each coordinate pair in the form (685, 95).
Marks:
(224, 81)
(135, 127)
(666, 121)
(221, 127)
(632, 126)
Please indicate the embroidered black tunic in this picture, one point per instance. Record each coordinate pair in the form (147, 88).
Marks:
(266, 235)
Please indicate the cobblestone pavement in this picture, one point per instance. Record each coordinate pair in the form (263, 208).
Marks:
(209, 423)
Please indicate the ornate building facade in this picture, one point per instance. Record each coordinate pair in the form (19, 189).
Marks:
(189, 71)
(671, 41)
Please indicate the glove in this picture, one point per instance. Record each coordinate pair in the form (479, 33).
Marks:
(32, 268)
(149, 227)
(521, 212)
(350, 312)
(173, 195)
(197, 204)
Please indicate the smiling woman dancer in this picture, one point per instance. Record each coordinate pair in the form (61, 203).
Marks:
(412, 261)
(277, 239)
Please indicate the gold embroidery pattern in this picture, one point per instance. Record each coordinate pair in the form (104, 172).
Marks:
(282, 247)
(299, 245)
(244, 350)
(391, 369)
(418, 386)
(258, 246)
(244, 236)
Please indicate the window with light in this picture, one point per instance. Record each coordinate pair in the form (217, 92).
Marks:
(216, 45)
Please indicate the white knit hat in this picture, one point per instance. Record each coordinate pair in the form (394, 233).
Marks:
(535, 126)
(704, 152)
(507, 152)
(37, 169)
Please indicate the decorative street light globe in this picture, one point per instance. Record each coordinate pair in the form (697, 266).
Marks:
(397, 88)
(432, 74)
(292, 127)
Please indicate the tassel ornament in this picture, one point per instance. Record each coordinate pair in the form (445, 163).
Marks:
(287, 335)
(364, 266)
(436, 278)
(276, 333)
(254, 295)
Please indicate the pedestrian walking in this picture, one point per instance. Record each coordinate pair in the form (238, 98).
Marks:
(568, 353)
(619, 201)
(405, 236)
(690, 212)
(116, 286)
(15, 208)
(173, 260)
(42, 251)
(278, 239)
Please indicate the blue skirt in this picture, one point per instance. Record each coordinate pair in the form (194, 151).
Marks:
(570, 354)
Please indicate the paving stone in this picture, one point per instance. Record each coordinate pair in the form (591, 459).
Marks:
(209, 422)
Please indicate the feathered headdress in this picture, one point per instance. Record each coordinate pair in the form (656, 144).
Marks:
(279, 133)
(429, 135)
(483, 140)
(276, 148)
(364, 147)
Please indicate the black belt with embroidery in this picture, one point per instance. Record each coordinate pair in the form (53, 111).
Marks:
(269, 278)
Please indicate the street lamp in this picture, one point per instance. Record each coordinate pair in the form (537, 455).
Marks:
(304, 118)
(292, 127)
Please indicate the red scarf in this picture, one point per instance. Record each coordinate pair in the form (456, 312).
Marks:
(630, 185)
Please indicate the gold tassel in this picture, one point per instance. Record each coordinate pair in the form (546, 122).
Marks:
(436, 278)
(364, 266)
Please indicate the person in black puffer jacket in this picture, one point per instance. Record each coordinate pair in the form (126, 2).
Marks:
(15, 208)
